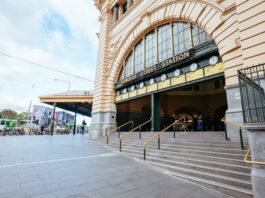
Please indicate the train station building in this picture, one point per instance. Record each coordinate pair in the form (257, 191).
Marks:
(170, 59)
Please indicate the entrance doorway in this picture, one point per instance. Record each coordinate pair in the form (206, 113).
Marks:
(202, 105)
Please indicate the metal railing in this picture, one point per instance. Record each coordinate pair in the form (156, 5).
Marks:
(158, 136)
(252, 93)
(251, 162)
(118, 128)
(240, 131)
(140, 132)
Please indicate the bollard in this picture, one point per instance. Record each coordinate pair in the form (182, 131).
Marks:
(158, 142)
(241, 139)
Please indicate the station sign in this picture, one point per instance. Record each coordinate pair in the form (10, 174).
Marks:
(164, 64)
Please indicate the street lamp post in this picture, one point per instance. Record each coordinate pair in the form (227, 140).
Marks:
(68, 82)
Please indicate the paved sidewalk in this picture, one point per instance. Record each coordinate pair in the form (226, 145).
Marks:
(75, 167)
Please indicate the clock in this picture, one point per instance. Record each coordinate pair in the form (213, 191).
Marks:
(163, 77)
(213, 60)
(193, 67)
(141, 84)
(151, 81)
(177, 72)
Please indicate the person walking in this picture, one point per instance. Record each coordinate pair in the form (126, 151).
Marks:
(83, 127)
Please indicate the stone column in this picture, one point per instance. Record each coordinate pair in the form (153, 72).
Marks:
(256, 134)
(155, 112)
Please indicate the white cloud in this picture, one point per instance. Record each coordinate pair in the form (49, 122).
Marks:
(22, 35)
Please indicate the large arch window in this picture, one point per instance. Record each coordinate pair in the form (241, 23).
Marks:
(199, 36)
(129, 67)
(150, 49)
(162, 43)
(139, 57)
(181, 37)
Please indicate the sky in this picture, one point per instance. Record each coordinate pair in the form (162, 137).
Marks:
(57, 33)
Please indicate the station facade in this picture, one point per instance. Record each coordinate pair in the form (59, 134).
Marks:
(164, 60)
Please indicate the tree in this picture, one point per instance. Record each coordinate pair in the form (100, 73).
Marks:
(8, 113)
(22, 116)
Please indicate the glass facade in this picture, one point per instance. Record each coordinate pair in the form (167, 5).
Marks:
(162, 43)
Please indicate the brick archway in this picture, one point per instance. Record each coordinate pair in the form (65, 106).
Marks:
(210, 17)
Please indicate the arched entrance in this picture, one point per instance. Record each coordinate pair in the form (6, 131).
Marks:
(174, 66)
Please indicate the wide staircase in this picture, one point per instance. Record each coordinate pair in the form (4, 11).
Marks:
(205, 158)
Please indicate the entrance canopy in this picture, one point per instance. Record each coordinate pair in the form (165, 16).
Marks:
(76, 101)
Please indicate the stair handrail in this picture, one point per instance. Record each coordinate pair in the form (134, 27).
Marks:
(157, 135)
(240, 131)
(138, 127)
(242, 145)
(250, 161)
(114, 130)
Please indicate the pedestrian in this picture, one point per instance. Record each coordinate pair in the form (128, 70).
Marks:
(41, 129)
(83, 127)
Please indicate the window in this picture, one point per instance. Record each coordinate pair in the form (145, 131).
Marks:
(159, 43)
(199, 36)
(150, 53)
(181, 37)
(129, 67)
(164, 43)
(139, 58)
(124, 7)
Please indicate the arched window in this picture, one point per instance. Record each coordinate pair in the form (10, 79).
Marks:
(162, 43)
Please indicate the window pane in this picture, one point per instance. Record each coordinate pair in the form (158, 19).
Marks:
(150, 49)
(181, 37)
(138, 53)
(199, 36)
(164, 42)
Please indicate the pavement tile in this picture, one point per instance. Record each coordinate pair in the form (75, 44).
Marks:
(105, 177)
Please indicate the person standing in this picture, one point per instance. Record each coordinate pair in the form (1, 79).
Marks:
(83, 127)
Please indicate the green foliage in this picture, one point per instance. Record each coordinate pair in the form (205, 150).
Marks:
(9, 113)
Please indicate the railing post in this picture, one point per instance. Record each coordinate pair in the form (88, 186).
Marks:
(107, 139)
(174, 130)
(241, 138)
(158, 142)
(120, 145)
(119, 134)
(225, 131)
(144, 152)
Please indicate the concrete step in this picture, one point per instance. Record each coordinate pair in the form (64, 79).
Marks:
(207, 159)
(180, 151)
(227, 164)
(234, 187)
